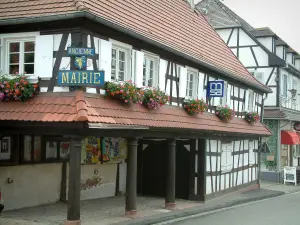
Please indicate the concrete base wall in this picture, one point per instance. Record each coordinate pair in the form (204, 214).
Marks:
(274, 177)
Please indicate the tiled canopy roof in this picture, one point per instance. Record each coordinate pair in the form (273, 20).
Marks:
(68, 107)
(170, 23)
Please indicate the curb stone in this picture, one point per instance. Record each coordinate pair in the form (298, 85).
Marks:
(150, 220)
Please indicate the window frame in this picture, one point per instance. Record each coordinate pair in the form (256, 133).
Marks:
(250, 97)
(195, 84)
(284, 53)
(155, 59)
(251, 152)
(119, 46)
(21, 40)
(285, 85)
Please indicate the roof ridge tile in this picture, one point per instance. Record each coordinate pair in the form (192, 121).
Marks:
(81, 107)
(80, 5)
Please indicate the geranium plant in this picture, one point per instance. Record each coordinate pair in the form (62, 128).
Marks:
(125, 91)
(16, 87)
(224, 113)
(153, 98)
(195, 106)
(252, 117)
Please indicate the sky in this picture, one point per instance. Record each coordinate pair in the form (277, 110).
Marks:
(279, 15)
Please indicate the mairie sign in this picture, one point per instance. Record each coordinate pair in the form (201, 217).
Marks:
(80, 78)
(72, 51)
(215, 88)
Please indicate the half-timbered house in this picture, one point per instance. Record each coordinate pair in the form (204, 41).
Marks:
(268, 58)
(170, 153)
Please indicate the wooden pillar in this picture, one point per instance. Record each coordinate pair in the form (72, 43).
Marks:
(131, 178)
(73, 216)
(171, 175)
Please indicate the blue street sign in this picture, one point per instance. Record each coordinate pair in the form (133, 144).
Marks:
(80, 78)
(215, 88)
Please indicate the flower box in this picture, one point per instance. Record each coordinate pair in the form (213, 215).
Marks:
(153, 98)
(195, 106)
(224, 113)
(251, 117)
(125, 91)
(16, 87)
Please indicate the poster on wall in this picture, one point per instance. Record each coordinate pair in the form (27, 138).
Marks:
(114, 150)
(91, 151)
(5, 148)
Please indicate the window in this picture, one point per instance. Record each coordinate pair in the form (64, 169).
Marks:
(251, 101)
(52, 149)
(21, 57)
(226, 157)
(192, 84)
(32, 149)
(259, 76)
(119, 63)
(284, 53)
(251, 153)
(5, 148)
(150, 71)
(285, 85)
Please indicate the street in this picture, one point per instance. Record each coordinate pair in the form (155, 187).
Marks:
(283, 210)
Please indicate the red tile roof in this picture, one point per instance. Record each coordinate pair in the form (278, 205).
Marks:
(169, 22)
(68, 107)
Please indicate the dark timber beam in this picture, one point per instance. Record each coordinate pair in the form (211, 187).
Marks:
(171, 174)
(73, 216)
(131, 178)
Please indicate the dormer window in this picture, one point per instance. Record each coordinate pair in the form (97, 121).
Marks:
(284, 53)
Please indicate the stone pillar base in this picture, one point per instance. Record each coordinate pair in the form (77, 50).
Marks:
(170, 206)
(73, 222)
(131, 213)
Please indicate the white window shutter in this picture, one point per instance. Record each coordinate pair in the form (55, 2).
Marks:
(105, 50)
(182, 82)
(43, 60)
(247, 100)
(138, 70)
(201, 90)
(163, 64)
(229, 160)
(251, 153)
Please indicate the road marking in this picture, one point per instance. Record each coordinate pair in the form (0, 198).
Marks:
(221, 210)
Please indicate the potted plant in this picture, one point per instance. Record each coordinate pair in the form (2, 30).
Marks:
(251, 117)
(153, 98)
(224, 113)
(195, 106)
(16, 87)
(125, 91)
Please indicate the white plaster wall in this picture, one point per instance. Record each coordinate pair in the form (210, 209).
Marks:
(289, 58)
(261, 56)
(245, 39)
(297, 64)
(108, 172)
(246, 57)
(122, 178)
(233, 39)
(224, 34)
(279, 51)
(32, 185)
(266, 41)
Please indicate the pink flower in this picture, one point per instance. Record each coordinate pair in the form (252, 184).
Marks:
(126, 101)
(2, 95)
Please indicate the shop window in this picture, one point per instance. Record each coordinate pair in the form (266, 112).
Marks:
(5, 148)
(56, 149)
(20, 57)
(32, 149)
(226, 157)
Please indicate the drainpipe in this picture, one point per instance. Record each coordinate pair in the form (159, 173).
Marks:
(260, 141)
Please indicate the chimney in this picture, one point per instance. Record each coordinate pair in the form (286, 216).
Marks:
(192, 3)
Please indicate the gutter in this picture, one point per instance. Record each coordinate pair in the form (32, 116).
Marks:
(103, 21)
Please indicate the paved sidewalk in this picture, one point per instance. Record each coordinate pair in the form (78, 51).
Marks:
(151, 211)
(287, 188)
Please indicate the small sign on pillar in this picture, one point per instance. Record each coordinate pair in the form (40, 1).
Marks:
(215, 88)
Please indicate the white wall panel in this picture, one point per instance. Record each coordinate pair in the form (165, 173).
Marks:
(246, 57)
(233, 39)
(261, 56)
(245, 39)
(224, 34)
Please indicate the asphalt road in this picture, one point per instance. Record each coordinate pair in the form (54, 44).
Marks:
(284, 210)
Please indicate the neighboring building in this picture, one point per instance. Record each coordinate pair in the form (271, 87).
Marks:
(273, 63)
(162, 44)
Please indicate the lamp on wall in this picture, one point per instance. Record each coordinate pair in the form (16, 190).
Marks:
(293, 92)
(285, 99)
